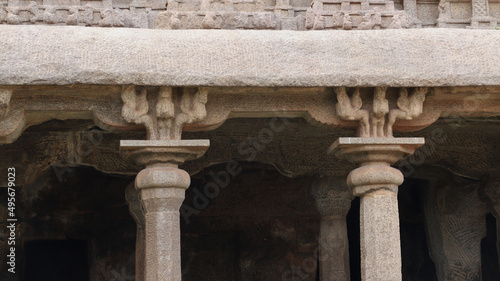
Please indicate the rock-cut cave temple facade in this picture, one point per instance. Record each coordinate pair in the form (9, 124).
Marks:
(250, 140)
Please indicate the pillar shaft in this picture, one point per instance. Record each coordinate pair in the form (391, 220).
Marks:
(163, 246)
(334, 249)
(380, 242)
(162, 192)
(333, 201)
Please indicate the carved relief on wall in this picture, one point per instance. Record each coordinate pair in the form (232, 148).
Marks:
(233, 14)
(103, 13)
(255, 14)
(469, 14)
(367, 14)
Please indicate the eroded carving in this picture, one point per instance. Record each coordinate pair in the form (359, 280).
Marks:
(92, 14)
(13, 16)
(408, 107)
(5, 96)
(12, 121)
(164, 120)
(350, 109)
(379, 120)
(477, 15)
(243, 14)
(363, 15)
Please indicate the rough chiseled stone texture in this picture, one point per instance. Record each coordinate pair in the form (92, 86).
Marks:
(38, 54)
(456, 225)
(379, 217)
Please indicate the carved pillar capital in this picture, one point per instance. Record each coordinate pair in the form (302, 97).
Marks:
(375, 157)
(162, 184)
(332, 196)
(333, 201)
(377, 119)
(164, 112)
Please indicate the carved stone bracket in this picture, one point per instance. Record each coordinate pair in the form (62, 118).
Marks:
(164, 114)
(12, 121)
(378, 120)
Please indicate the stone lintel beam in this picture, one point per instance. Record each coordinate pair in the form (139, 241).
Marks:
(376, 182)
(35, 55)
(162, 188)
(24, 106)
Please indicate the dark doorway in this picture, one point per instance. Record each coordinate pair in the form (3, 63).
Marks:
(56, 260)
(489, 255)
(353, 234)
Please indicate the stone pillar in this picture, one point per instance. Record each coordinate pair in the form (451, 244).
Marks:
(135, 207)
(333, 200)
(162, 188)
(455, 218)
(376, 182)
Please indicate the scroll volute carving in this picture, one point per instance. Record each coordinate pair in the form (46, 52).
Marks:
(165, 112)
(12, 120)
(378, 120)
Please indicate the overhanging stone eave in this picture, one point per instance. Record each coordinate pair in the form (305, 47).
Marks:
(59, 55)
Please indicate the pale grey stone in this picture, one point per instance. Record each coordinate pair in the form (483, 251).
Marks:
(423, 57)
(380, 242)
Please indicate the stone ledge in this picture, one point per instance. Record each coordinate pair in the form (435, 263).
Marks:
(137, 144)
(57, 55)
